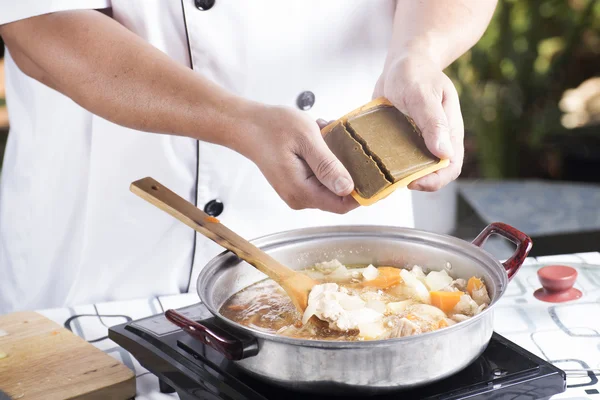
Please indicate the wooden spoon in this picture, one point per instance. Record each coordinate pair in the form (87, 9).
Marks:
(296, 284)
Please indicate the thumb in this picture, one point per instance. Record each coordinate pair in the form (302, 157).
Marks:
(429, 115)
(327, 168)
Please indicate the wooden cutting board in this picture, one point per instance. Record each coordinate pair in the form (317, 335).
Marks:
(42, 360)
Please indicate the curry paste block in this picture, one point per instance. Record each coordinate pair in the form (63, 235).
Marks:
(363, 167)
(381, 148)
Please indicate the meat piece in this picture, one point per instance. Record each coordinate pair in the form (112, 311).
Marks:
(343, 312)
(449, 321)
(459, 317)
(466, 306)
(328, 267)
(480, 296)
(459, 284)
(402, 327)
(448, 288)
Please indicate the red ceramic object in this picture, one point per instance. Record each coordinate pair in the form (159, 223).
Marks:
(557, 284)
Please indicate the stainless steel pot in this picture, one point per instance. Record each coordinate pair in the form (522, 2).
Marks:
(356, 367)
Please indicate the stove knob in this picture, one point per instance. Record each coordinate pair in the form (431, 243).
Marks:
(557, 284)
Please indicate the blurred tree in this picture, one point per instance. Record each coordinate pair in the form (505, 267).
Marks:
(511, 82)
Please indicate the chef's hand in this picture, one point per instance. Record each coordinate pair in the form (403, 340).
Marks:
(419, 88)
(288, 148)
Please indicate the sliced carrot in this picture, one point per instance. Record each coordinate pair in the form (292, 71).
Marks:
(388, 277)
(445, 301)
(474, 283)
(212, 219)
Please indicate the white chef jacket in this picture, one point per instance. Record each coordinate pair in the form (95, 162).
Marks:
(71, 232)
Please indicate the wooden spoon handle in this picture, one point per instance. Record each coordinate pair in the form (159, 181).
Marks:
(163, 198)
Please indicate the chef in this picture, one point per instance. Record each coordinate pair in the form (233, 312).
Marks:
(219, 101)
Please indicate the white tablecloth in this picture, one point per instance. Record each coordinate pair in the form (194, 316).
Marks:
(567, 334)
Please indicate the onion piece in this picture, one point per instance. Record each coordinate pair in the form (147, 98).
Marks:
(376, 305)
(371, 330)
(370, 273)
(437, 280)
(341, 273)
(398, 307)
(417, 271)
(426, 311)
(416, 288)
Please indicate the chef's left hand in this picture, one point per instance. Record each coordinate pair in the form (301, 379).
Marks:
(417, 86)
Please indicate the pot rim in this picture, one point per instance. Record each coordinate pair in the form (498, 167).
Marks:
(310, 233)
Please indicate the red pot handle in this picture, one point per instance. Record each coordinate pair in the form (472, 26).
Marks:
(522, 241)
(232, 347)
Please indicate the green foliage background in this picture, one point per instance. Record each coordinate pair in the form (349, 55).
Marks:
(510, 83)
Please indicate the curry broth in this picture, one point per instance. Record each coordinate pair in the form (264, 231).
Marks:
(264, 306)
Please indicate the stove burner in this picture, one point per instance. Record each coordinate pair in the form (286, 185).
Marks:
(195, 371)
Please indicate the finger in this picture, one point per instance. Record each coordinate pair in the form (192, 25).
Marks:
(325, 166)
(323, 199)
(437, 180)
(322, 123)
(424, 106)
(306, 191)
(379, 86)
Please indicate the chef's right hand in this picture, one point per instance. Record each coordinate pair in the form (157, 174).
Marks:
(288, 148)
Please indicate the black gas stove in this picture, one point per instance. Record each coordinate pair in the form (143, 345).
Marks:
(195, 371)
